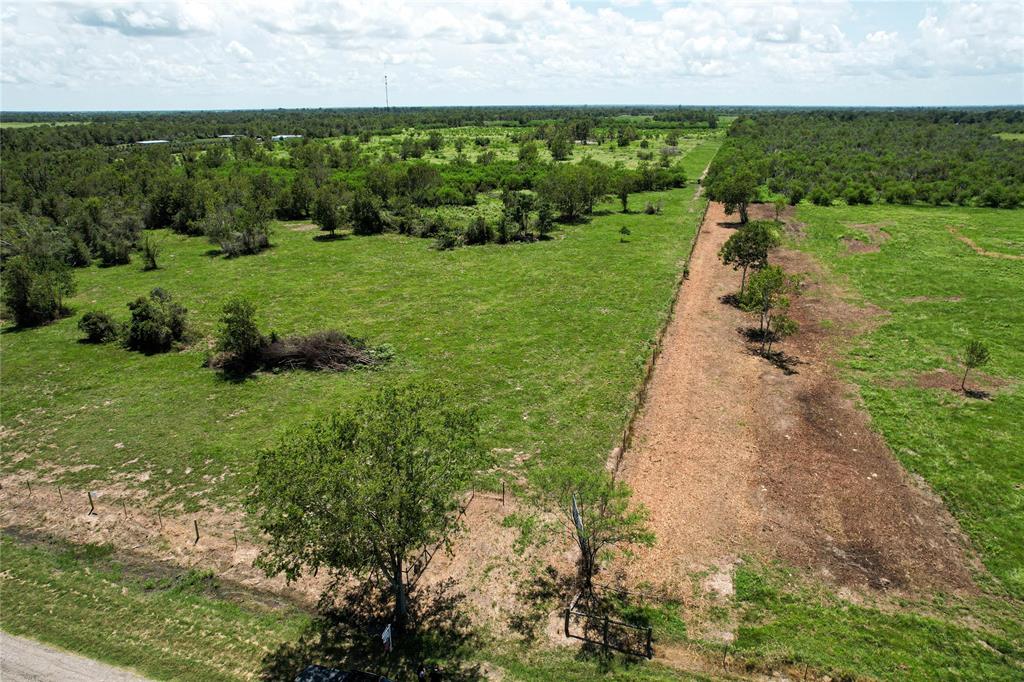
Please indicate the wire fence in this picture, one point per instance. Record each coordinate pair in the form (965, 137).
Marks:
(640, 399)
(601, 629)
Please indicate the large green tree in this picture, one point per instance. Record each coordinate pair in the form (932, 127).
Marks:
(364, 489)
(735, 186)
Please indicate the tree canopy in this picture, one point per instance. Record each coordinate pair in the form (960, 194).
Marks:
(361, 490)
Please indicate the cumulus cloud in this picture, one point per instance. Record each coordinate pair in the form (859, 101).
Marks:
(314, 52)
(149, 19)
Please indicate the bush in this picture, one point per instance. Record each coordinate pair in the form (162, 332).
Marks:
(365, 213)
(479, 232)
(98, 327)
(157, 323)
(34, 289)
(447, 239)
(239, 339)
(150, 251)
(652, 208)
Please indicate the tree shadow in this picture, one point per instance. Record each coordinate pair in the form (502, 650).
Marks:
(977, 394)
(538, 596)
(346, 634)
(781, 359)
(331, 237)
(730, 299)
(731, 225)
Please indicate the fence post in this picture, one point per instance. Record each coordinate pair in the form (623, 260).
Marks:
(503, 493)
(567, 622)
(650, 649)
(604, 633)
(195, 522)
(92, 507)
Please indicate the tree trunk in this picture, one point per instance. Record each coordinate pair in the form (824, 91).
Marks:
(743, 281)
(743, 213)
(401, 614)
(963, 381)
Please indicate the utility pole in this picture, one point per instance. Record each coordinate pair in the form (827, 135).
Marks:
(387, 101)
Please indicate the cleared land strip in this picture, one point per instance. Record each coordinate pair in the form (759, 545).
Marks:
(694, 453)
(734, 457)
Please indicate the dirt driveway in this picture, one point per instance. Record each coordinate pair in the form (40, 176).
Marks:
(24, 660)
(734, 456)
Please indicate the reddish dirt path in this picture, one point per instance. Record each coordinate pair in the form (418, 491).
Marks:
(733, 456)
(693, 462)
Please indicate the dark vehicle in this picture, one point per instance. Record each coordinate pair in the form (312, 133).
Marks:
(318, 673)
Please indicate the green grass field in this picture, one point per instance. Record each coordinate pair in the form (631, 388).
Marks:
(547, 338)
(30, 124)
(505, 149)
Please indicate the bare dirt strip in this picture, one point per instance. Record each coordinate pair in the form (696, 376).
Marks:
(735, 457)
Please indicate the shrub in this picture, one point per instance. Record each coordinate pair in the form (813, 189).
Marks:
(238, 338)
(652, 208)
(157, 323)
(98, 327)
(365, 213)
(479, 232)
(34, 289)
(150, 251)
(447, 239)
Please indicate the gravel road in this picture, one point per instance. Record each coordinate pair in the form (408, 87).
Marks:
(23, 660)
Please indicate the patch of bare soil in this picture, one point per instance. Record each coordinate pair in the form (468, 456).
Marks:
(787, 216)
(734, 456)
(978, 385)
(875, 234)
(305, 227)
(980, 251)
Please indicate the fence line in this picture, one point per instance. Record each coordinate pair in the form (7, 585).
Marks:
(640, 399)
(91, 507)
(614, 634)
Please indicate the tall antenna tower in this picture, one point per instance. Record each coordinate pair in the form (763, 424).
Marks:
(387, 101)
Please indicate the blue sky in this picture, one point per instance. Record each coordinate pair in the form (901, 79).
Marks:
(183, 54)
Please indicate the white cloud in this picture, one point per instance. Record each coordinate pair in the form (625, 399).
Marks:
(304, 52)
(239, 50)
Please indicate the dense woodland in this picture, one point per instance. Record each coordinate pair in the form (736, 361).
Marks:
(931, 156)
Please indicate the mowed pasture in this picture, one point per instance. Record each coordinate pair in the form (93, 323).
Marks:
(938, 292)
(548, 338)
(499, 140)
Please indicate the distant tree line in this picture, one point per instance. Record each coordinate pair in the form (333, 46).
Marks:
(932, 156)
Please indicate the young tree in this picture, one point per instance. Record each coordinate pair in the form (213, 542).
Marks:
(623, 184)
(975, 355)
(363, 489)
(238, 335)
(769, 296)
(594, 510)
(623, 233)
(329, 212)
(748, 248)
(365, 212)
